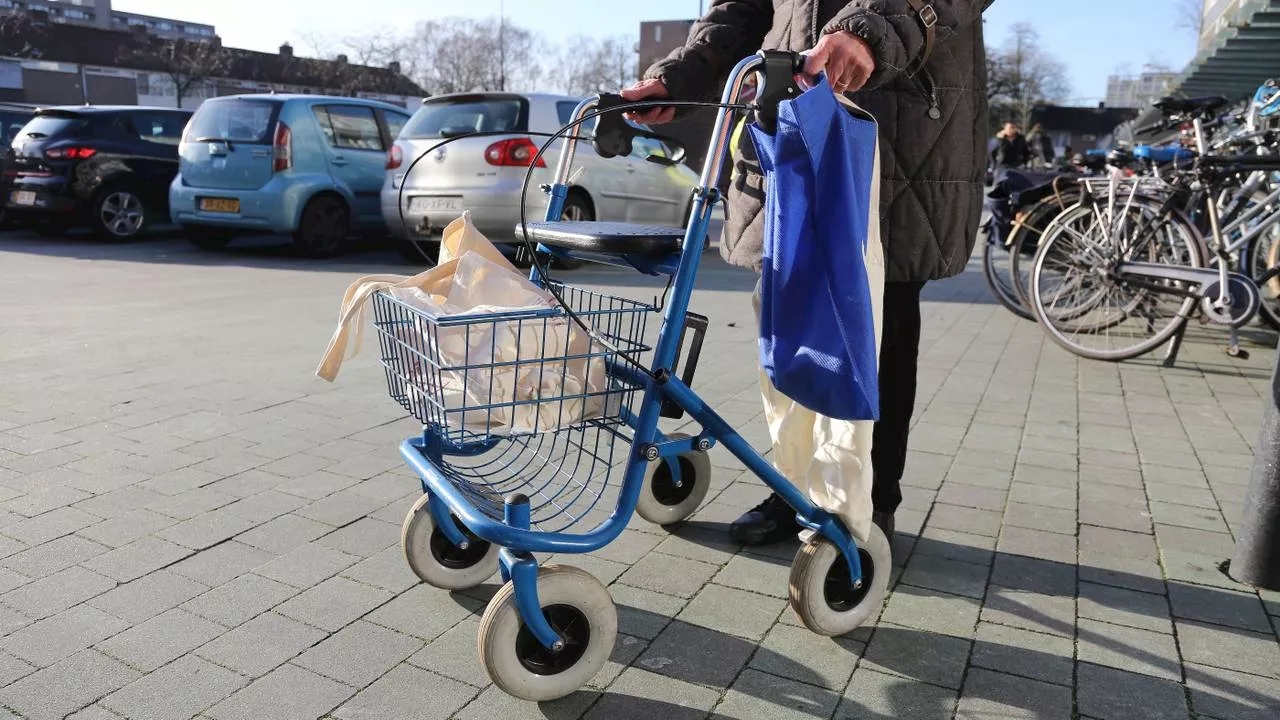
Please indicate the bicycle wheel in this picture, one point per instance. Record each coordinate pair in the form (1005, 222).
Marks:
(1259, 258)
(1028, 233)
(1086, 307)
(997, 263)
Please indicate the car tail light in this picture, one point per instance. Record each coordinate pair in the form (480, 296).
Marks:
(70, 153)
(516, 152)
(282, 148)
(395, 158)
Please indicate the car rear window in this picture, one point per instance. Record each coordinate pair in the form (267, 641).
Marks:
(42, 127)
(451, 116)
(242, 121)
(162, 128)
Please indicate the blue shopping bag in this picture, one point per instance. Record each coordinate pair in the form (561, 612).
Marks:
(817, 328)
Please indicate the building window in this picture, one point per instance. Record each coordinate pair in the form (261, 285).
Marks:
(657, 33)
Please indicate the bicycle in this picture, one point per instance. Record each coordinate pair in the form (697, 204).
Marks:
(492, 501)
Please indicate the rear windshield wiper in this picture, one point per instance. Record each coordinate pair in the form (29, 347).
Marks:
(224, 141)
(37, 135)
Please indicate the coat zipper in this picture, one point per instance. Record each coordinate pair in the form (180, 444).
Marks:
(813, 24)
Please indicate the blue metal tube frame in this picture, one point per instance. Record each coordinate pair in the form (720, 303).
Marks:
(515, 535)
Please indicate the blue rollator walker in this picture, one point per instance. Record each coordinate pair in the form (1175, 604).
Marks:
(492, 501)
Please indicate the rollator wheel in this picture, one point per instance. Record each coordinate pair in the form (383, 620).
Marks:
(820, 590)
(661, 501)
(578, 607)
(439, 562)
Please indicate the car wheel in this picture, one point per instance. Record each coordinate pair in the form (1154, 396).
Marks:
(207, 238)
(417, 253)
(118, 214)
(324, 227)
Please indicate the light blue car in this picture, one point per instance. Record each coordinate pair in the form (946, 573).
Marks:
(307, 165)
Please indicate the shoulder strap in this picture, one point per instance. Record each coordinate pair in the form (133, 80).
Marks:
(928, 17)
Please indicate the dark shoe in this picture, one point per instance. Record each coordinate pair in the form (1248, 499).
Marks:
(769, 522)
(884, 521)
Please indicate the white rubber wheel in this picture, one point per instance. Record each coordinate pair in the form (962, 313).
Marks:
(820, 591)
(439, 562)
(578, 607)
(661, 502)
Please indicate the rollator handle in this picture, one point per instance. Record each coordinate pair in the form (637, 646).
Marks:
(614, 135)
(780, 71)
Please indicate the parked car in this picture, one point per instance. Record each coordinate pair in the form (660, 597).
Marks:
(485, 174)
(106, 167)
(12, 117)
(307, 165)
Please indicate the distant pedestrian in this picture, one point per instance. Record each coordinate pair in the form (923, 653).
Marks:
(1012, 151)
(1042, 146)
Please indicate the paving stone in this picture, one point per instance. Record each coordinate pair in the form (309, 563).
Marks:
(798, 654)
(1120, 517)
(238, 600)
(1054, 547)
(974, 496)
(603, 570)
(1229, 648)
(1117, 542)
(1131, 649)
(1118, 571)
(1035, 655)
(1031, 611)
(12, 669)
(1190, 517)
(1034, 574)
(123, 529)
(312, 485)
(932, 658)
(191, 503)
(1180, 495)
(704, 544)
(1228, 694)
(407, 692)
(966, 520)
(956, 546)
(360, 653)
(643, 613)
(1131, 497)
(153, 697)
(136, 559)
(736, 612)
(876, 696)
(671, 575)
(43, 500)
(423, 612)
(334, 603)
(932, 611)
(148, 596)
(638, 694)
(1039, 517)
(261, 644)
(991, 694)
(625, 651)
(494, 703)
(46, 527)
(285, 533)
(288, 692)
(1125, 607)
(696, 654)
(950, 576)
(453, 654)
(1219, 606)
(756, 574)
(55, 593)
(1197, 569)
(1109, 694)
(389, 571)
(161, 639)
(56, 691)
(52, 639)
(343, 507)
(364, 538)
(221, 563)
(207, 530)
(756, 694)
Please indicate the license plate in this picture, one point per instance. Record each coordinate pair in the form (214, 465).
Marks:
(435, 204)
(24, 197)
(220, 205)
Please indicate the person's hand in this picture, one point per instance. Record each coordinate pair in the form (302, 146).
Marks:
(845, 58)
(651, 89)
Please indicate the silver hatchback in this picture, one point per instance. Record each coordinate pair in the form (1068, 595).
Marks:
(484, 175)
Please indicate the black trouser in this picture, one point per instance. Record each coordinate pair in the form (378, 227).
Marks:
(899, 351)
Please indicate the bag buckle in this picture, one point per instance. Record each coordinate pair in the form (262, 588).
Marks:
(928, 16)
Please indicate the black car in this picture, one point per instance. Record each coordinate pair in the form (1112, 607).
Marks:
(12, 117)
(105, 167)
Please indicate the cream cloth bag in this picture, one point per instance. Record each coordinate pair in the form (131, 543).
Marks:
(521, 367)
(828, 459)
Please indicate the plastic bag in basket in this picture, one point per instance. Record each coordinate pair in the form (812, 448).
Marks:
(465, 361)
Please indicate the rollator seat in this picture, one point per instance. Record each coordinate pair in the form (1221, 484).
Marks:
(610, 238)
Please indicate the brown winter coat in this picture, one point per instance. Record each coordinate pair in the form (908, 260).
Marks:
(932, 169)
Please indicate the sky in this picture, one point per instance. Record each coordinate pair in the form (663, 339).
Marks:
(1093, 38)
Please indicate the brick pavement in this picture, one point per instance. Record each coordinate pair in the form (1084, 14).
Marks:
(193, 526)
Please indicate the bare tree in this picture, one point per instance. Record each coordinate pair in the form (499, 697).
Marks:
(1188, 15)
(588, 66)
(187, 64)
(1021, 75)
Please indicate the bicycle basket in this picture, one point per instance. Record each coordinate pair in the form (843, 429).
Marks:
(470, 378)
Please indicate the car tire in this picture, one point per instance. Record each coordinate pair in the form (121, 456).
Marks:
(118, 214)
(323, 228)
(417, 253)
(207, 238)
